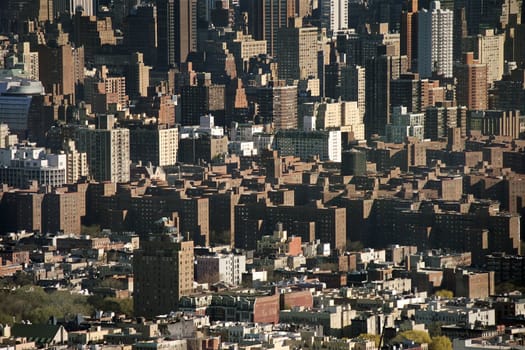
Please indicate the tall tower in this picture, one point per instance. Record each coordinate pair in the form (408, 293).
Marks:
(472, 88)
(265, 17)
(409, 31)
(278, 105)
(107, 153)
(163, 273)
(334, 14)
(296, 49)
(379, 72)
(177, 31)
(435, 41)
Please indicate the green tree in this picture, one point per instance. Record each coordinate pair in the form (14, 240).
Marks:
(440, 343)
(434, 329)
(367, 336)
(412, 335)
(444, 293)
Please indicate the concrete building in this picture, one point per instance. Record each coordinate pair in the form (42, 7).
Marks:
(107, 153)
(353, 163)
(266, 17)
(296, 50)
(409, 32)
(71, 6)
(243, 47)
(77, 163)
(278, 105)
(498, 123)
(438, 120)
(379, 72)
(163, 272)
(405, 124)
(472, 87)
(177, 31)
(490, 51)
(21, 165)
(158, 145)
(220, 267)
(334, 14)
(61, 212)
(137, 79)
(141, 32)
(435, 41)
(449, 314)
(353, 80)
(304, 144)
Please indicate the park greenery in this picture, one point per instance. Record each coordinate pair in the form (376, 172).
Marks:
(34, 304)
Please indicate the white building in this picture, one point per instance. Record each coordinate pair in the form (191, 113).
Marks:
(20, 165)
(446, 314)
(323, 143)
(334, 14)
(220, 268)
(205, 127)
(107, 153)
(405, 125)
(435, 41)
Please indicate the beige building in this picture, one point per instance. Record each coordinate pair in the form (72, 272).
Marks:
(297, 51)
(138, 77)
(157, 145)
(344, 115)
(77, 164)
(489, 49)
(353, 86)
(107, 153)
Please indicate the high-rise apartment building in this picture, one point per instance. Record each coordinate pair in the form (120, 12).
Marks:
(57, 69)
(278, 105)
(353, 79)
(21, 165)
(60, 212)
(137, 80)
(77, 165)
(409, 31)
(334, 14)
(438, 121)
(296, 50)
(107, 152)
(379, 72)
(405, 124)
(490, 51)
(163, 272)
(177, 31)
(141, 33)
(435, 41)
(158, 145)
(472, 87)
(304, 144)
(71, 6)
(265, 17)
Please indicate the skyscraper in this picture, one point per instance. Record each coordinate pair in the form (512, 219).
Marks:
(278, 105)
(297, 49)
(379, 72)
(472, 88)
(409, 31)
(142, 33)
(435, 41)
(334, 14)
(265, 17)
(107, 152)
(163, 273)
(177, 31)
